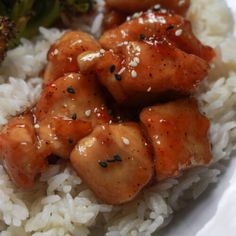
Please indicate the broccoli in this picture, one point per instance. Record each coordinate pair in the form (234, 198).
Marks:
(28, 15)
(72, 7)
(7, 32)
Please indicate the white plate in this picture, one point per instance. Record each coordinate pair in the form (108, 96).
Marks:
(214, 213)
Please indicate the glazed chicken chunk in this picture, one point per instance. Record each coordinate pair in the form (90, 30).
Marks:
(68, 110)
(114, 161)
(179, 136)
(159, 26)
(143, 71)
(21, 153)
(131, 6)
(63, 54)
(148, 57)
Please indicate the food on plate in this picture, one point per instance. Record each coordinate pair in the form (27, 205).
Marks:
(179, 136)
(122, 165)
(118, 121)
(136, 71)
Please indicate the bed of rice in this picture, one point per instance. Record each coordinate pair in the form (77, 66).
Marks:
(60, 204)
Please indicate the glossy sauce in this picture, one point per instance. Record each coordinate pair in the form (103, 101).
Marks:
(151, 58)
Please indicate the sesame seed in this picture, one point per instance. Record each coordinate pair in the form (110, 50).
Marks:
(74, 116)
(55, 52)
(134, 74)
(70, 141)
(103, 164)
(71, 90)
(117, 157)
(137, 15)
(88, 113)
(69, 59)
(181, 2)
(133, 63)
(136, 59)
(112, 68)
(157, 7)
(178, 32)
(70, 76)
(141, 36)
(149, 89)
(125, 141)
(102, 51)
(170, 27)
(77, 42)
(36, 126)
(118, 77)
(121, 70)
(140, 20)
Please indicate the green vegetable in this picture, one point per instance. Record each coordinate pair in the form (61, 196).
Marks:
(72, 7)
(28, 15)
(7, 32)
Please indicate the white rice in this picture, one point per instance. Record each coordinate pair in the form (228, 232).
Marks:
(60, 204)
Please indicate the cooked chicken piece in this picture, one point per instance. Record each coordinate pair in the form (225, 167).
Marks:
(143, 71)
(112, 19)
(73, 95)
(179, 135)
(114, 161)
(131, 6)
(159, 26)
(67, 111)
(61, 134)
(22, 155)
(63, 54)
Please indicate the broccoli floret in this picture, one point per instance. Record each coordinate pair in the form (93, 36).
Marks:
(22, 18)
(73, 7)
(7, 33)
(28, 15)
